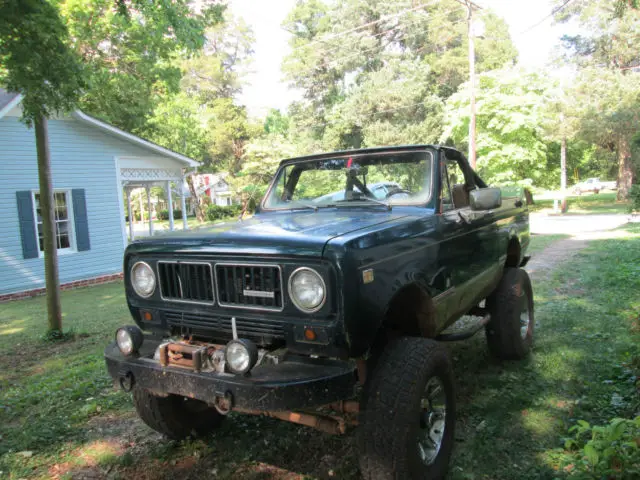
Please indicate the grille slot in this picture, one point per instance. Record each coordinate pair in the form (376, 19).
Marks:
(262, 330)
(257, 287)
(190, 282)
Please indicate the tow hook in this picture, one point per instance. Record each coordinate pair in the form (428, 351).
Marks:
(223, 403)
(126, 382)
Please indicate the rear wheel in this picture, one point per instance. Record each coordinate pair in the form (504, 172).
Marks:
(175, 416)
(408, 413)
(510, 330)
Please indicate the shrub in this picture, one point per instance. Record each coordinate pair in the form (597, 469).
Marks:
(163, 215)
(609, 451)
(218, 212)
(177, 213)
(634, 196)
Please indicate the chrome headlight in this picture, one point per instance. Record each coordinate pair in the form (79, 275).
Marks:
(129, 339)
(143, 280)
(241, 355)
(307, 289)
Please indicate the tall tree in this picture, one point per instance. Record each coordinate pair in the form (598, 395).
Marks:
(511, 113)
(606, 50)
(340, 49)
(608, 106)
(36, 61)
(129, 48)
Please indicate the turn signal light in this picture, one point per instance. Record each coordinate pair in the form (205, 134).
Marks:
(147, 316)
(309, 334)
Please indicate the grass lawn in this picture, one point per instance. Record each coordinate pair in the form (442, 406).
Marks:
(600, 203)
(540, 242)
(60, 417)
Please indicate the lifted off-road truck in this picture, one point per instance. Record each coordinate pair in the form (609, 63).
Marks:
(328, 307)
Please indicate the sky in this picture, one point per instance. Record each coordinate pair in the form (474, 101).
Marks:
(266, 88)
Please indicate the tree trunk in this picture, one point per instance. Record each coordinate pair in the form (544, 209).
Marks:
(196, 199)
(625, 168)
(52, 282)
(563, 174)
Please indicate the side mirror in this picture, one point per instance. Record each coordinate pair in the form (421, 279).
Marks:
(485, 198)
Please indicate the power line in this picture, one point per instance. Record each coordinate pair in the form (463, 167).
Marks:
(396, 27)
(540, 22)
(374, 22)
(335, 61)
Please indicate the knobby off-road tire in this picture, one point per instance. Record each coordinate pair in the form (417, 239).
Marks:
(175, 416)
(510, 330)
(395, 412)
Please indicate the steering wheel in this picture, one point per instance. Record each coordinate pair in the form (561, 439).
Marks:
(398, 192)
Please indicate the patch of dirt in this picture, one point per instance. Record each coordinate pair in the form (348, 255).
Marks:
(543, 263)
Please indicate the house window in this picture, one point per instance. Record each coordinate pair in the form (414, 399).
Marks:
(228, 201)
(63, 221)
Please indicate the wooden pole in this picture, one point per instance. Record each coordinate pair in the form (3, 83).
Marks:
(472, 87)
(47, 209)
(563, 174)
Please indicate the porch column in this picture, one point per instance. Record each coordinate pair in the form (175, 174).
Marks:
(170, 205)
(183, 204)
(130, 213)
(148, 189)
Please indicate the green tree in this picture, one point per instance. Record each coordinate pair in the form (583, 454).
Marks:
(177, 124)
(217, 71)
(351, 49)
(511, 142)
(607, 89)
(229, 130)
(36, 61)
(608, 107)
(129, 48)
(276, 122)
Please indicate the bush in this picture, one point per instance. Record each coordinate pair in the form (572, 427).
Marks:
(609, 451)
(634, 196)
(164, 214)
(218, 212)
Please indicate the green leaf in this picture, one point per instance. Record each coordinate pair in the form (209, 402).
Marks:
(591, 453)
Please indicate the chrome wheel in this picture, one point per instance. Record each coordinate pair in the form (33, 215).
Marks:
(433, 413)
(525, 318)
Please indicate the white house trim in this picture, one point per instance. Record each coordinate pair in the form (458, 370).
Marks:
(9, 106)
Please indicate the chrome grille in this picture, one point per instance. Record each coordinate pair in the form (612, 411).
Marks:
(250, 286)
(190, 282)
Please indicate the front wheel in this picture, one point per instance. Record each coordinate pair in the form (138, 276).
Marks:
(510, 330)
(407, 423)
(174, 416)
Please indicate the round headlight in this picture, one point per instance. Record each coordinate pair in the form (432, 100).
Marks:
(241, 355)
(307, 290)
(129, 339)
(143, 279)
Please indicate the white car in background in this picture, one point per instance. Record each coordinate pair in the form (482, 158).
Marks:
(589, 185)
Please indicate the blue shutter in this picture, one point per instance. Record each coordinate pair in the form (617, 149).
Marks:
(27, 224)
(80, 219)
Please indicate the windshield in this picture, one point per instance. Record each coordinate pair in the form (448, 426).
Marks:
(392, 178)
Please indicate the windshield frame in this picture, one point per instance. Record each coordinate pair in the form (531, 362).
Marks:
(287, 163)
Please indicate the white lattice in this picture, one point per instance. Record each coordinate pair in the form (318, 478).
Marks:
(150, 174)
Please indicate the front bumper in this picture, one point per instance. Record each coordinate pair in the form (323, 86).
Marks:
(294, 383)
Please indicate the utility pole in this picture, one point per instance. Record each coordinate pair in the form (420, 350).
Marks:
(472, 81)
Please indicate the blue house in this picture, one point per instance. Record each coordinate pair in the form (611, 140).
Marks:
(93, 164)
